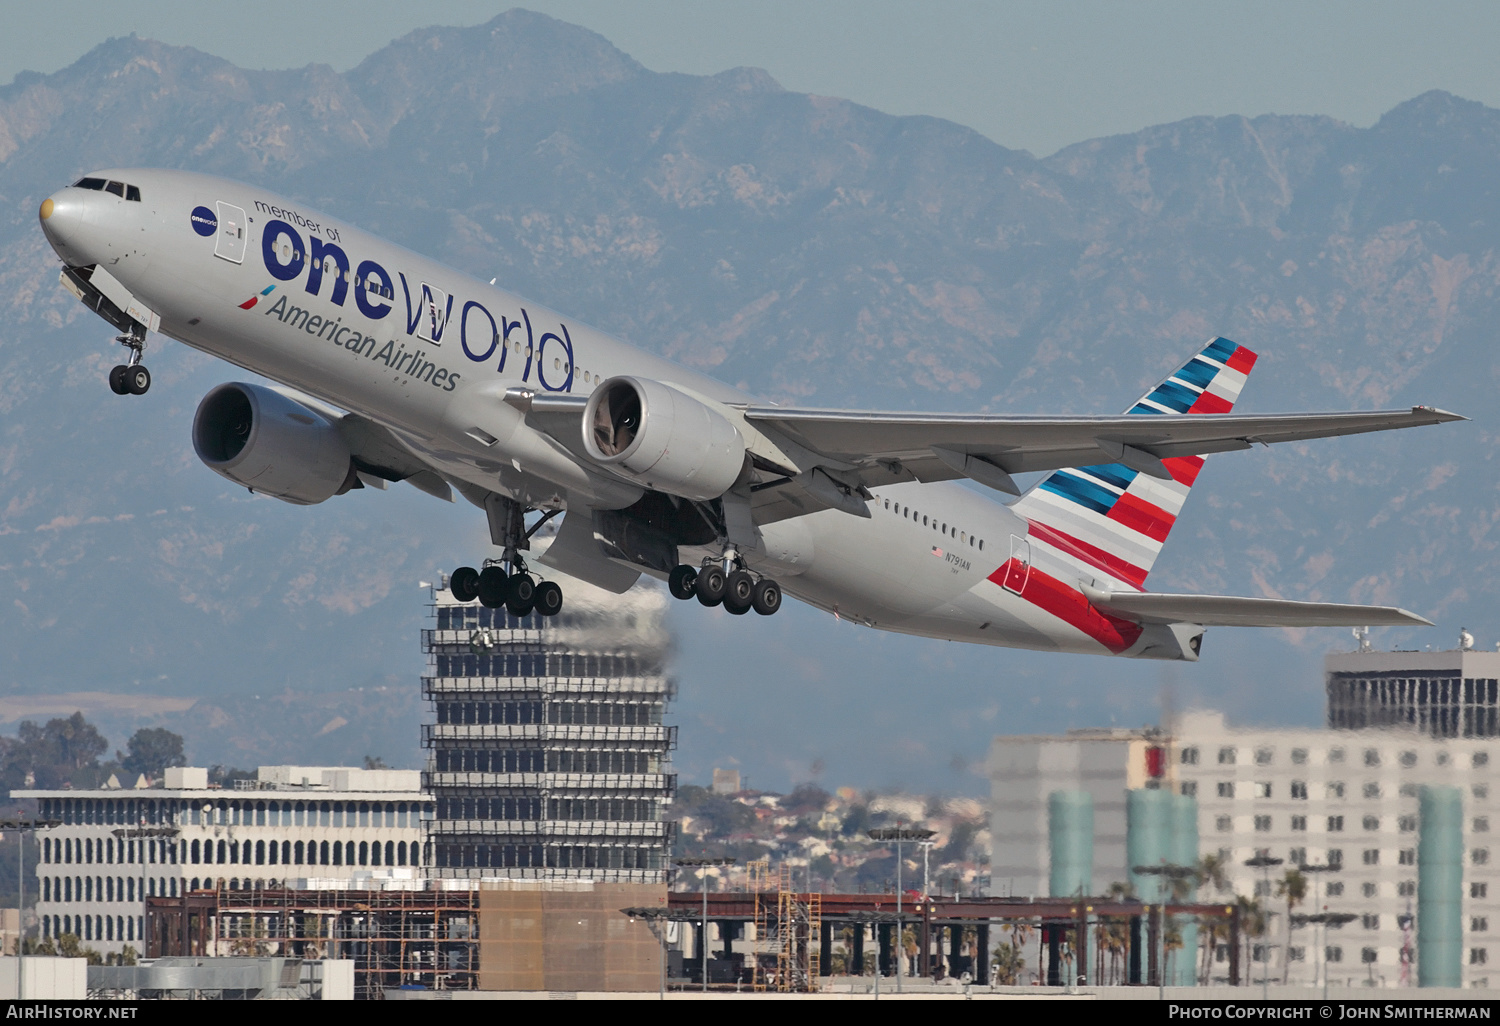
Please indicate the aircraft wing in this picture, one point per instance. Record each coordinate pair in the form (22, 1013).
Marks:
(1235, 611)
(934, 447)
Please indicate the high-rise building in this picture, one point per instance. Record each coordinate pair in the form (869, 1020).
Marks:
(1444, 694)
(548, 755)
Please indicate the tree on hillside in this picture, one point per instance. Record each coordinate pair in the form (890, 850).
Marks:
(152, 749)
(63, 751)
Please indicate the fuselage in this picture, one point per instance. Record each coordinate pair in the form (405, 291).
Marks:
(360, 323)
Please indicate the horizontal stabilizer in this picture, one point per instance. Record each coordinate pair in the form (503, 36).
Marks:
(1237, 611)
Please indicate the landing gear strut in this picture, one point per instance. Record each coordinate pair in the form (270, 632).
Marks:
(508, 581)
(131, 377)
(728, 583)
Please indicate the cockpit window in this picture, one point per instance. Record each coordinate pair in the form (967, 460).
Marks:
(121, 189)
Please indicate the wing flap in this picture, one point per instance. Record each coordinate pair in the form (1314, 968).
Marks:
(1238, 611)
(1021, 444)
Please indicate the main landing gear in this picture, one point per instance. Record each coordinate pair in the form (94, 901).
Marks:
(132, 377)
(508, 581)
(495, 586)
(738, 590)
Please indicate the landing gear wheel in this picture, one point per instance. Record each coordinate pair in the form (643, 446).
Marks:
(464, 584)
(522, 588)
(680, 581)
(734, 607)
(766, 597)
(117, 380)
(709, 586)
(493, 587)
(520, 596)
(548, 598)
(137, 379)
(738, 590)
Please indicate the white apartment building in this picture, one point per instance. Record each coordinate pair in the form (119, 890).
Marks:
(305, 826)
(1345, 798)
(1306, 796)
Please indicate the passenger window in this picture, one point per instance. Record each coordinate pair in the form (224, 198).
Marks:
(133, 193)
(118, 188)
(981, 545)
(924, 521)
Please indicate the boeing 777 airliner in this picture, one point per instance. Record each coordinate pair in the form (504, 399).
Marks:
(396, 368)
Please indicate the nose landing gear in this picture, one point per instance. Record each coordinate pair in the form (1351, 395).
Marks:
(739, 590)
(132, 377)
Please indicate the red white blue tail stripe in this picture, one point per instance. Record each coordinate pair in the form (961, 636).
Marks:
(1113, 520)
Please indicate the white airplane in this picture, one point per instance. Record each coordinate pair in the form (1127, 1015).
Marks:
(397, 368)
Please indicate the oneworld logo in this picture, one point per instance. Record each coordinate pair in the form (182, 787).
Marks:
(204, 221)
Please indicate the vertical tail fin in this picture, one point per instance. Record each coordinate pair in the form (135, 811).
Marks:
(1112, 519)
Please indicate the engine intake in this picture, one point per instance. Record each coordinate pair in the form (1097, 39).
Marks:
(662, 438)
(259, 438)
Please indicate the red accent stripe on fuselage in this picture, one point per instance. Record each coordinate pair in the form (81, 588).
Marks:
(1069, 605)
(1119, 569)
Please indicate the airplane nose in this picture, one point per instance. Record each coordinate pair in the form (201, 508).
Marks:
(61, 217)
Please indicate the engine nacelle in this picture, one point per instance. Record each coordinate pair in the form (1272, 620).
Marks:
(662, 438)
(259, 438)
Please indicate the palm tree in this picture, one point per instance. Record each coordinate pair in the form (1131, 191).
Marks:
(1253, 921)
(1213, 871)
(1019, 933)
(1215, 930)
(1116, 936)
(1009, 964)
(1293, 887)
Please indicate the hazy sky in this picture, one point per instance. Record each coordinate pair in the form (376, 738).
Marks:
(1034, 76)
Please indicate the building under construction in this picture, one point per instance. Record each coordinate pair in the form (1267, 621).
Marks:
(579, 935)
(548, 754)
(504, 935)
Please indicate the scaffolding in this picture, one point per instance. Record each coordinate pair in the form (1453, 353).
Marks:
(396, 938)
(786, 925)
(765, 915)
(799, 921)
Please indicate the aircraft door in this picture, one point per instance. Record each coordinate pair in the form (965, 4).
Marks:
(230, 245)
(1018, 568)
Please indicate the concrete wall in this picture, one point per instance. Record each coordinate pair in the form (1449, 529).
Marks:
(62, 979)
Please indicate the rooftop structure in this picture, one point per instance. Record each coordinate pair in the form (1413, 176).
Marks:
(549, 757)
(1444, 694)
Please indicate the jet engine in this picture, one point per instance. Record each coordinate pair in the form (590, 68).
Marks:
(662, 438)
(259, 438)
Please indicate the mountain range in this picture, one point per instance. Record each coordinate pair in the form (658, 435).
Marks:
(813, 251)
